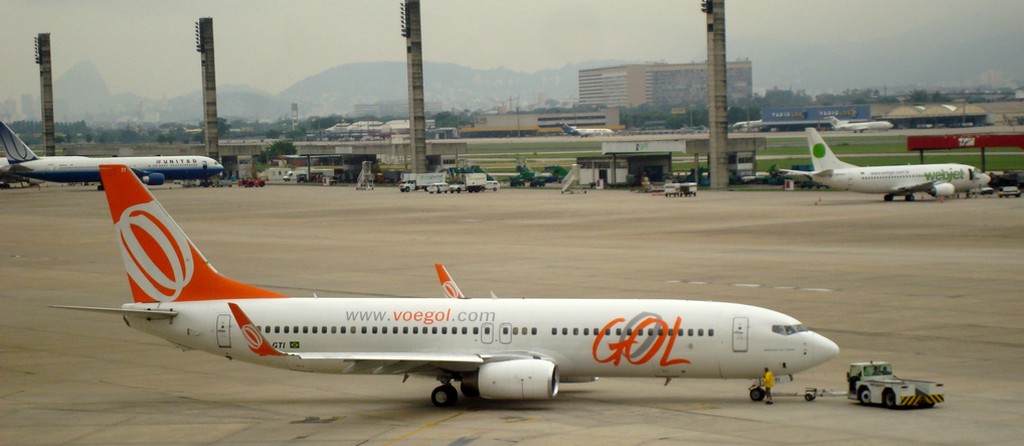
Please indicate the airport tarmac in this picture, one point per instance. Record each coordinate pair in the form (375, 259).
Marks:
(934, 287)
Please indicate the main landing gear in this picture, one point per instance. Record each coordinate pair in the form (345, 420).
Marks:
(444, 395)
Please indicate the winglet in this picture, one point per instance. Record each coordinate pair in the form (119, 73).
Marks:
(163, 265)
(257, 343)
(451, 289)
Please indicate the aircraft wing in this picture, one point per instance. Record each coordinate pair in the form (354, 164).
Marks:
(379, 362)
(394, 363)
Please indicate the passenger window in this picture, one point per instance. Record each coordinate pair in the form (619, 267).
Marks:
(394, 330)
(515, 330)
(565, 331)
(700, 332)
(277, 329)
(286, 329)
(334, 329)
(650, 332)
(586, 332)
(266, 329)
(433, 330)
(415, 330)
(618, 332)
(476, 330)
(554, 330)
(689, 332)
(314, 330)
(405, 330)
(487, 330)
(504, 330)
(533, 331)
(374, 329)
(305, 329)
(711, 332)
(323, 329)
(444, 330)
(341, 329)
(576, 332)
(464, 330)
(364, 329)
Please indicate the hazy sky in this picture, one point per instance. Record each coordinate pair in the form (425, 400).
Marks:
(148, 46)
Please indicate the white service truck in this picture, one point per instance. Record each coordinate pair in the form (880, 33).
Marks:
(419, 181)
(874, 383)
(470, 182)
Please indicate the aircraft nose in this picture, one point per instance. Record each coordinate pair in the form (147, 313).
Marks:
(824, 349)
(984, 178)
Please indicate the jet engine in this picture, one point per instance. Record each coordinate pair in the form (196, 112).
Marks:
(943, 190)
(153, 179)
(519, 379)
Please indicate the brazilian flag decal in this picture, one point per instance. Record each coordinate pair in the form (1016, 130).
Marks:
(293, 344)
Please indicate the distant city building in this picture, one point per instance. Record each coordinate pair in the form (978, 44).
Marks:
(660, 84)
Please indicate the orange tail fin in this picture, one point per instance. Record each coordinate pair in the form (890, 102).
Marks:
(162, 263)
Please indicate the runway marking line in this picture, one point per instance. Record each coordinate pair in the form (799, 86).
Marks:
(423, 428)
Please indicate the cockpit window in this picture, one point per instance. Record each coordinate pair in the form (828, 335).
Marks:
(787, 330)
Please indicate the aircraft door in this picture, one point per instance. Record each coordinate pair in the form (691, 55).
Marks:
(739, 334)
(224, 330)
(487, 333)
(505, 335)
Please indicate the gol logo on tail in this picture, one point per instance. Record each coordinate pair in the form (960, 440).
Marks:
(156, 253)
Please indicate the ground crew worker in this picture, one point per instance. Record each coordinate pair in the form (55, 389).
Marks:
(769, 382)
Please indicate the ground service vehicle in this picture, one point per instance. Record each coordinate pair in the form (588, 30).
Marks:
(440, 188)
(419, 181)
(1009, 191)
(874, 383)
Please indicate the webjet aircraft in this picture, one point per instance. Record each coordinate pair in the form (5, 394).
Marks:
(511, 349)
(153, 170)
(938, 180)
(858, 127)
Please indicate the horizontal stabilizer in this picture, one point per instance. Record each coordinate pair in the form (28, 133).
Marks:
(152, 314)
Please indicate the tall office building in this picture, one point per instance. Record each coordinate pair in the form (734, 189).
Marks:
(660, 84)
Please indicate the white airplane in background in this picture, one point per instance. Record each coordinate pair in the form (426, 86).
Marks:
(938, 180)
(748, 126)
(858, 127)
(572, 130)
(508, 349)
(153, 170)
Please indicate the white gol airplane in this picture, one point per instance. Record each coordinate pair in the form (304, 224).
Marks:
(574, 131)
(858, 127)
(507, 349)
(153, 170)
(938, 180)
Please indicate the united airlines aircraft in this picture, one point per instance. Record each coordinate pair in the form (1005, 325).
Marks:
(153, 170)
(506, 349)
